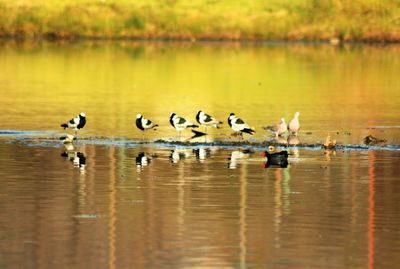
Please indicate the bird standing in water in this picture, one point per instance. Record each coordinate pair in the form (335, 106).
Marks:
(294, 124)
(278, 129)
(207, 120)
(180, 123)
(76, 123)
(238, 125)
(144, 124)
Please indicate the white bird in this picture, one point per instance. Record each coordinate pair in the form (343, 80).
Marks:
(207, 120)
(294, 124)
(180, 123)
(278, 129)
(144, 124)
(238, 125)
(76, 123)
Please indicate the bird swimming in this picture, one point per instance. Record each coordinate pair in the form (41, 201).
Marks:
(294, 124)
(207, 120)
(279, 159)
(76, 123)
(238, 125)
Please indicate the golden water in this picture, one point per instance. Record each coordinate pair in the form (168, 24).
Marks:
(195, 206)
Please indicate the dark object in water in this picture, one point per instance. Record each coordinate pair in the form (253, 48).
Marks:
(197, 134)
(279, 159)
(371, 141)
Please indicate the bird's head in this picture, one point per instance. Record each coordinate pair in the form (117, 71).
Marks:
(82, 114)
(282, 120)
(138, 116)
(297, 114)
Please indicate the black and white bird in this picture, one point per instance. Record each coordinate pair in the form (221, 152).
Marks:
(76, 123)
(180, 123)
(207, 120)
(238, 125)
(144, 124)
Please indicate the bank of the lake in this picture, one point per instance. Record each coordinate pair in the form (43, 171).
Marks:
(326, 20)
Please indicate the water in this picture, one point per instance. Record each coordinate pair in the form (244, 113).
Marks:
(128, 204)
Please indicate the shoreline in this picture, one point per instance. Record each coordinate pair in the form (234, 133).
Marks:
(334, 22)
(161, 143)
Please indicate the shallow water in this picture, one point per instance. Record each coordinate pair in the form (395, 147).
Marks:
(127, 202)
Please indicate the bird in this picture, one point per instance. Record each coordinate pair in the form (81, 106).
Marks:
(207, 120)
(144, 124)
(279, 159)
(294, 124)
(278, 129)
(76, 123)
(238, 125)
(180, 123)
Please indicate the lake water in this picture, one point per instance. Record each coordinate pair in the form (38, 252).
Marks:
(112, 201)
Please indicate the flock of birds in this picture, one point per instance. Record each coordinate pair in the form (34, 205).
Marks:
(238, 126)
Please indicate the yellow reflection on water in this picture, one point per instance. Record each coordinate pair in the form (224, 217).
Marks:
(43, 85)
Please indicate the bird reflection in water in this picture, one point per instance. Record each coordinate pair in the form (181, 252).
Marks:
(77, 158)
(237, 156)
(293, 140)
(202, 153)
(179, 154)
(143, 160)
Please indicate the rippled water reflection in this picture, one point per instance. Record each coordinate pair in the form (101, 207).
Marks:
(111, 202)
(146, 207)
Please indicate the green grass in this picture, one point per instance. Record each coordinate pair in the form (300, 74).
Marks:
(348, 20)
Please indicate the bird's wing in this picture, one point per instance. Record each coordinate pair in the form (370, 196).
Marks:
(147, 122)
(208, 118)
(181, 120)
(239, 121)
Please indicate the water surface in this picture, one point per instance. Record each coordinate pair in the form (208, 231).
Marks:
(111, 201)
